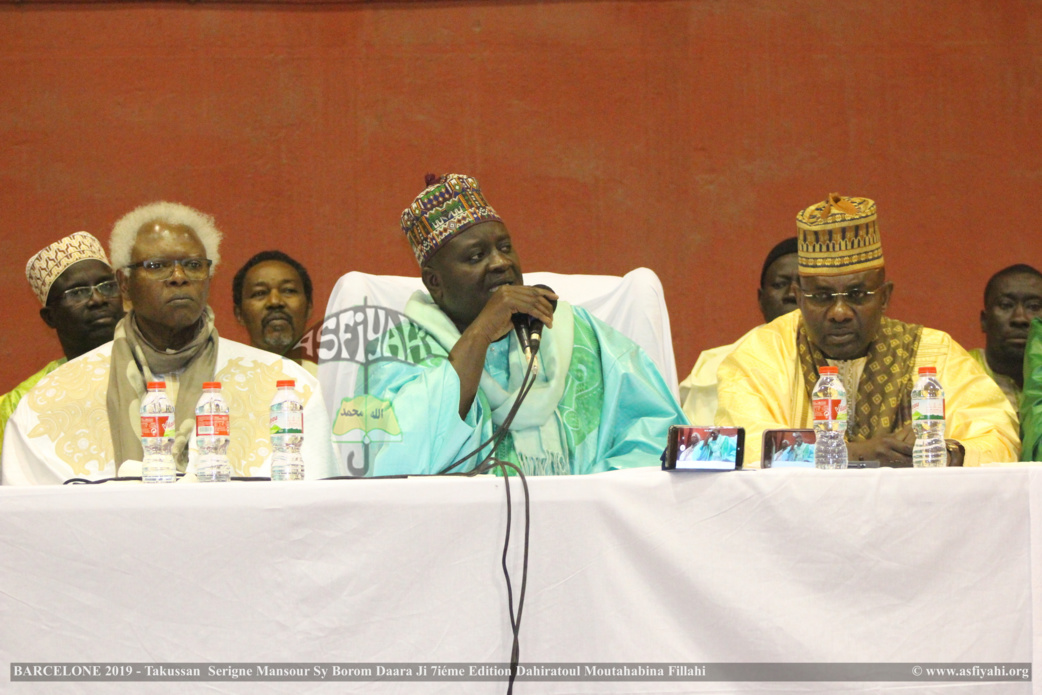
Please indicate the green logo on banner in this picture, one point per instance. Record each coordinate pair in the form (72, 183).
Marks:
(366, 419)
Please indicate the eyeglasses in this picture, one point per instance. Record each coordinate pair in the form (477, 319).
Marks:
(162, 268)
(82, 295)
(855, 297)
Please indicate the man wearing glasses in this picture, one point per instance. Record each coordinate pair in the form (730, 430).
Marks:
(82, 420)
(842, 294)
(73, 280)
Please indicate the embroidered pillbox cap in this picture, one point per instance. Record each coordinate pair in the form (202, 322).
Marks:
(447, 206)
(838, 236)
(50, 262)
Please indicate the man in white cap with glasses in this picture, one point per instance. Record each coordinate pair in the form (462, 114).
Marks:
(82, 420)
(75, 283)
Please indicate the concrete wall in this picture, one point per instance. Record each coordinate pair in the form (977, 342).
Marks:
(681, 136)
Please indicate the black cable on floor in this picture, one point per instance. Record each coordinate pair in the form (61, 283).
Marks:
(515, 619)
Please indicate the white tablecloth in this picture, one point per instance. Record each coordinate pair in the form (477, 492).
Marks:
(636, 566)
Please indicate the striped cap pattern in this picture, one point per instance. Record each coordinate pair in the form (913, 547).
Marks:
(838, 236)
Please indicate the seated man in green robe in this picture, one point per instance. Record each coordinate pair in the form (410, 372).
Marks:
(598, 402)
(1031, 399)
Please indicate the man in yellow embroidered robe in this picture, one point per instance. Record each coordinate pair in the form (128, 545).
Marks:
(842, 296)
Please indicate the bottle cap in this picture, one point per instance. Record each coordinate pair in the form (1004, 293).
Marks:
(927, 370)
(828, 370)
(153, 385)
(212, 385)
(291, 383)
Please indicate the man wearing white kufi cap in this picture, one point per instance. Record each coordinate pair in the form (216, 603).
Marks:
(74, 282)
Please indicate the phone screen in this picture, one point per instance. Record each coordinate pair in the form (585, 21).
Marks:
(788, 449)
(704, 448)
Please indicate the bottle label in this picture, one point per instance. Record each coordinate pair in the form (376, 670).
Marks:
(927, 409)
(157, 426)
(214, 424)
(287, 422)
(827, 409)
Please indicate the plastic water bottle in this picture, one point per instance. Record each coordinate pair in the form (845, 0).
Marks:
(158, 426)
(211, 435)
(928, 421)
(286, 420)
(830, 420)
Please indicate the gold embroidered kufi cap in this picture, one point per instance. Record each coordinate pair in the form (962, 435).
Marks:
(446, 207)
(838, 236)
(50, 262)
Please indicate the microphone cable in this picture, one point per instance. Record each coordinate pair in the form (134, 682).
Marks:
(487, 464)
(515, 619)
(497, 436)
(179, 474)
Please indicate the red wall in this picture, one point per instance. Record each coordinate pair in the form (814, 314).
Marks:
(682, 136)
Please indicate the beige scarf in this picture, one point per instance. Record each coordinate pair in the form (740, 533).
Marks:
(134, 363)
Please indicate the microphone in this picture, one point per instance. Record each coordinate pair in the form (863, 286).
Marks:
(530, 330)
(535, 326)
(521, 328)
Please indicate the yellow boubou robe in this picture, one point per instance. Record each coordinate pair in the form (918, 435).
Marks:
(761, 387)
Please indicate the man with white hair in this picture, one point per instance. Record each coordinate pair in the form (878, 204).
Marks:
(82, 420)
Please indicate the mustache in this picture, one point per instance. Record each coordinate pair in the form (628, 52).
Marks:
(276, 314)
(105, 311)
